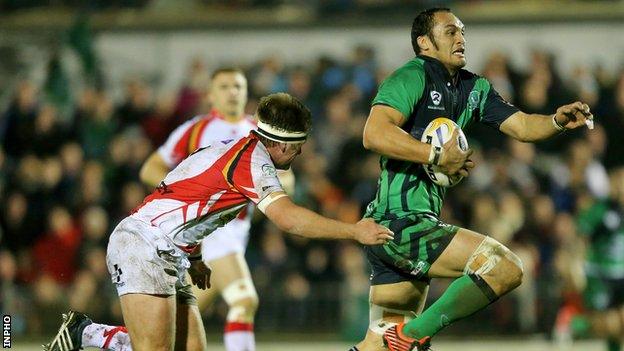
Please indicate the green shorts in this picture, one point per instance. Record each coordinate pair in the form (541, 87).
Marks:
(418, 242)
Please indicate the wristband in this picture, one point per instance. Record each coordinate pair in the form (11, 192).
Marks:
(435, 154)
(195, 258)
(556, 124)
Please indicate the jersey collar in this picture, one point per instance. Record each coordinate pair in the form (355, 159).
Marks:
(438, 68)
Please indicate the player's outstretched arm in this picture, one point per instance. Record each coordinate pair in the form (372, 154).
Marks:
(298, 220)
(153, 170)
(534, 127)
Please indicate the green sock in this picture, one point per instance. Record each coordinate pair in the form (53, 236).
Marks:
(465, 296)
(580, 326)
(614, 345)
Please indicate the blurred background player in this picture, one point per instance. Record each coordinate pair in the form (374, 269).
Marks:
(601, 225)
(431, 85)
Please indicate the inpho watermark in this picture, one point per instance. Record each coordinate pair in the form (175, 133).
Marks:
(6, 331)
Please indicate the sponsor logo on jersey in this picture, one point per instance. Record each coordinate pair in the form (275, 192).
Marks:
(268, 170)
(116, 275)
(163, 188)
(436, 98)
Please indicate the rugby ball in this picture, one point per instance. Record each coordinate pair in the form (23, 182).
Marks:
(437, 133)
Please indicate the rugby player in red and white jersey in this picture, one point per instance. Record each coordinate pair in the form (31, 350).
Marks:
(150, 251)
(224, 249)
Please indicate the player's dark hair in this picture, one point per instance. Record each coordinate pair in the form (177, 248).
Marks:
(226, 69)
(283, 111)
(423, 24)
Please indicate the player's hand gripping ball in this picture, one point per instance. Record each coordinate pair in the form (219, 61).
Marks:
(437, 133)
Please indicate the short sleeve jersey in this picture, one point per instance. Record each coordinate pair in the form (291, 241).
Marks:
(209, 188)
(423, 90)
(603, 224)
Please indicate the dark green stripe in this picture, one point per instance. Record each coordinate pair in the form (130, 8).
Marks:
(429, 187)
(407, 189)
(461, 122)
(483, 85)
(383, 187)
(395, 187)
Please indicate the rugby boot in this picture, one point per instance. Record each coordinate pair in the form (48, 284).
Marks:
(395, 340)
(69, 336)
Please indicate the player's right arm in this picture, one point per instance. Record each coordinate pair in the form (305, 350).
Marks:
(176, 148)
(298, 220)
(383, 134)
(154, 170)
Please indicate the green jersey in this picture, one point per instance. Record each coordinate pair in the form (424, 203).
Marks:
(603, 224)
(423, 90)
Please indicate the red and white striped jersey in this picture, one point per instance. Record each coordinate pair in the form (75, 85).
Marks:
(209, 188)
(201, 131)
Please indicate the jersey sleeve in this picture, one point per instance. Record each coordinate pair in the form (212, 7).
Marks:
(402, 89)
(256, 178)
(494, 109)
(176, 148)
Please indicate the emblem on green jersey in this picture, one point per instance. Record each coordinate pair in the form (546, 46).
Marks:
(473, 100)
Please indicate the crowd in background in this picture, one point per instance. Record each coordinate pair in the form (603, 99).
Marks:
(68, 175)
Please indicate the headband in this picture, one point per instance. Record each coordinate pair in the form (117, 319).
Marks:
(280, 135)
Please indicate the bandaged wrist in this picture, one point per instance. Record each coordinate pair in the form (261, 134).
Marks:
(556, 124)
(435, 154)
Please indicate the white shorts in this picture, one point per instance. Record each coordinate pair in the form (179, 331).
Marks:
(232, 238)
(140, 264)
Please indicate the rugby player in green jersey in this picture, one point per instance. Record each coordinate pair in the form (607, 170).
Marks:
(431, 85)
(603, 226)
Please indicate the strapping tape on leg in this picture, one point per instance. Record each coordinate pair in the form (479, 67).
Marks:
(487, 256)
(236, 313)
(238, 290)
(382, 318)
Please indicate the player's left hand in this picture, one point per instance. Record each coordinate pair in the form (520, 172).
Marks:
(574, 115)
(200, 274)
